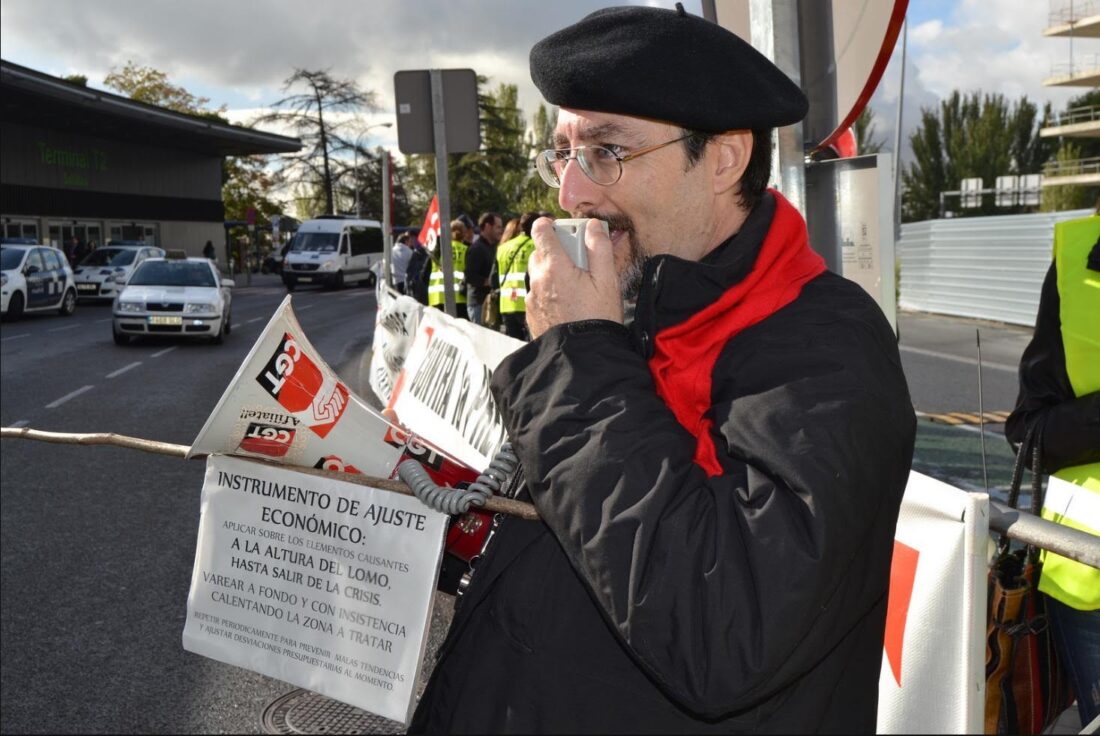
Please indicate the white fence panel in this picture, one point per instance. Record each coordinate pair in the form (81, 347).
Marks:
(982, 267)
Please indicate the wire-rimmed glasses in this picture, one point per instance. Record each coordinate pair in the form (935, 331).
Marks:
(601, 165)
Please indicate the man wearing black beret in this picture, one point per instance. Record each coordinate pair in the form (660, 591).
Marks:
(719, 481)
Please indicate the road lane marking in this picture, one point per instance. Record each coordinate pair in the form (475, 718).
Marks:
(66, 397)
(254, 319)
(14, 337)
(67, 327)
(957, 358)
(123, 369)
(302, 309)
(107, 319)
(20, 423)
(162, 352)
(235, 325)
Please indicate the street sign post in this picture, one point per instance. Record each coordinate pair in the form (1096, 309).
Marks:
(437, 113)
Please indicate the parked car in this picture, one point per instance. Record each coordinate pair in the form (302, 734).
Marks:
(332, 251)
(174, 295)
(99, 274)
(35, 278)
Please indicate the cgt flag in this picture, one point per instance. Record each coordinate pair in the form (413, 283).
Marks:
(429, 234)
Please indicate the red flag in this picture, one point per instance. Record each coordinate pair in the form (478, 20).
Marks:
(429, 234)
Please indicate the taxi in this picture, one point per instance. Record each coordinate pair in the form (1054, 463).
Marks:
(174, 296)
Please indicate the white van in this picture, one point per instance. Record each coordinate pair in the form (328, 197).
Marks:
(334, 250)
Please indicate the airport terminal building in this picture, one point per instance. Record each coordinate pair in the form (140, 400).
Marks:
(76, 161)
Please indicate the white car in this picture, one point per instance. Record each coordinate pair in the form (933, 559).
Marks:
(35, 278)
(98, 275)
(175, 295)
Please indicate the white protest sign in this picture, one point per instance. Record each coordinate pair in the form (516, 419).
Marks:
(442, 393)
(321, 583)
(937, 595)
(394, 329)
(285, 404)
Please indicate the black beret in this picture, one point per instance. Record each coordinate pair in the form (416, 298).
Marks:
(667, 65)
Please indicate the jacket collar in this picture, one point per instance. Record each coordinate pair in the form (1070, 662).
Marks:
(697, 283)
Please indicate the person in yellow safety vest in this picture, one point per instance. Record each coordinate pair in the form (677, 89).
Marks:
(436, 296)
(1060, 400)
(511, 273)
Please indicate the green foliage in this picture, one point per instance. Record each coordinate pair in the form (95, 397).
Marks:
(1069, 197)
(972, 135)
(151, 86)
(501, 176)
(864, 130)
(80, 80)
(248, 184)
(327, 142)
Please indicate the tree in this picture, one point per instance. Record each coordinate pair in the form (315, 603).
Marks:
(1070, 196)
(247, 184)
(864, 130)
(319, 117)
(974, 135)
(80, 80)
(1070, 151)
(149, 85)
(537, 196)
(501, 175)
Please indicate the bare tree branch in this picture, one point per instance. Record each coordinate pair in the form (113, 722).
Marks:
(493, 504)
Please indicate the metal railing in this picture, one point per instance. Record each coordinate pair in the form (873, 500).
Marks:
(1030, 529)
(1080, 64)
(1071, 11)
(1073, 167)
(1018, 525)
(1075, 116)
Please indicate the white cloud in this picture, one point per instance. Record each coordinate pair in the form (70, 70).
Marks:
(246, 50)
(926, 32)
(993, 46)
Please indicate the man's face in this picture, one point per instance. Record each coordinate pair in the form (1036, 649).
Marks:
(493, 230)
(659, 205)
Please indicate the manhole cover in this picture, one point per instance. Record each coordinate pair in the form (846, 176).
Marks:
(302, 711)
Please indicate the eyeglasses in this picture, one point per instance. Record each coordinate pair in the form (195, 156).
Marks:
(601, 165)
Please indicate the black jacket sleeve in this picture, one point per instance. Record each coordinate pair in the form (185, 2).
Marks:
(1070, 424)
(726, 589)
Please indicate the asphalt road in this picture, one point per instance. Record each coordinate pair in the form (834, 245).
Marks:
(97, 543)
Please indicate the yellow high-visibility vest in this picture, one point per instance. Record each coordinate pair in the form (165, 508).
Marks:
(512, 260)
(1076, 505)
(435, 281)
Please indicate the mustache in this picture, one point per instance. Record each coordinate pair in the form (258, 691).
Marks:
(614, 222)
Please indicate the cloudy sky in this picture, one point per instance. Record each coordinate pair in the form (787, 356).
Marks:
(237, 54)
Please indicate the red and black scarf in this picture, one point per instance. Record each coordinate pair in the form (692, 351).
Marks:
(684, 354)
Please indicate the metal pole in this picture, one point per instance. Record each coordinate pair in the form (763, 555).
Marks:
(897, 133)
(358, 209)
(774, 32)
(387, 217)
(817, 63)
(443, 190)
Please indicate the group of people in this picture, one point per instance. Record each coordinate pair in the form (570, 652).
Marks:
(76, 250)
(489, 262)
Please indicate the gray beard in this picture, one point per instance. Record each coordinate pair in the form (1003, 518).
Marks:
(630, 280)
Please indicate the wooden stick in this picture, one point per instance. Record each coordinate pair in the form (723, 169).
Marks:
(493, 504)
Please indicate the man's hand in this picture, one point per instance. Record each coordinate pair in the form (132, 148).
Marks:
(560, 292)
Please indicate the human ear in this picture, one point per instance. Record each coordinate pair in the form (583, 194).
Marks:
(730, 152)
